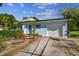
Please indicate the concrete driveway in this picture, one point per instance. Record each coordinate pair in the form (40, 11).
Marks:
(45, 46)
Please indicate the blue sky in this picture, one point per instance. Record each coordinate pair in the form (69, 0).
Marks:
(39, 10)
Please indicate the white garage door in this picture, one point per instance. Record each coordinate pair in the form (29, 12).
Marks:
(53, 31)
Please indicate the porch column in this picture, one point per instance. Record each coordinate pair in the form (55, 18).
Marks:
(65, 30)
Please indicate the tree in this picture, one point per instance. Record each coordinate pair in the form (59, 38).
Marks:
(72, 25)
(75, 14)
(72, 14)
(67, 13)
(7, 20)
(25, 18)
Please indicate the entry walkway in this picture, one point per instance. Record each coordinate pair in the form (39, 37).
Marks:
(50, 47)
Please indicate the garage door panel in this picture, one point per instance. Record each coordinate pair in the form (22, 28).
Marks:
(53, 31)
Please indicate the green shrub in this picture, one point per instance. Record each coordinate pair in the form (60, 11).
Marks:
(8, 33)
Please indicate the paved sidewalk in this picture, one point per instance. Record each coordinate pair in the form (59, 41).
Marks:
(51, 47)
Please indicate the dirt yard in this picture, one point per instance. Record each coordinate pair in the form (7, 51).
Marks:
(45, 46)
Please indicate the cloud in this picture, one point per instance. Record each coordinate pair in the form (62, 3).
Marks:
(10, 4)
(45, 13)
(40, 5)
(24, 11)
(30, 12)
(21, 4)
(48, 13)
(43, 5)
(27, 12)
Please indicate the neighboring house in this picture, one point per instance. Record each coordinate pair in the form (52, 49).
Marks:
(49, 27)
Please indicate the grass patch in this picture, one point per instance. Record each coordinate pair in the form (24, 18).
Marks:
(74, 34)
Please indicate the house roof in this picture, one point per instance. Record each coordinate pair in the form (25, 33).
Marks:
(29, 19)
(45, 20)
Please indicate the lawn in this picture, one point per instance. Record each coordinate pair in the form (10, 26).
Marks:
(74, 34)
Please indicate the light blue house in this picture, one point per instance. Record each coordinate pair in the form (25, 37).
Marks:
(49, 27)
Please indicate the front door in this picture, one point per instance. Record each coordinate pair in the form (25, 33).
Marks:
(30, 29)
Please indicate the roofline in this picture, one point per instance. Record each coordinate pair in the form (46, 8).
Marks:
(52, 19)
(56, 19)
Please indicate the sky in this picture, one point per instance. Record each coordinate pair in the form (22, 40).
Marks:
(40, 10)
